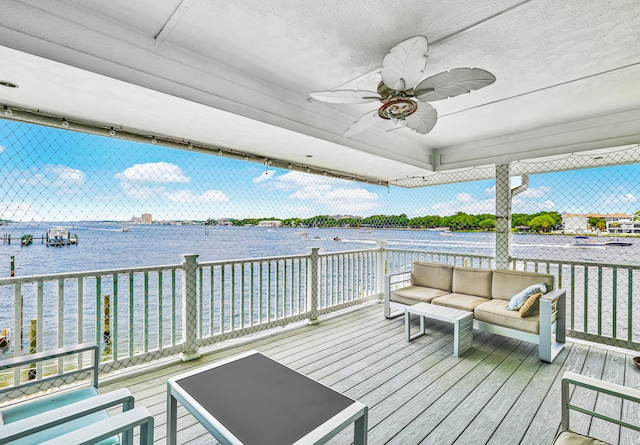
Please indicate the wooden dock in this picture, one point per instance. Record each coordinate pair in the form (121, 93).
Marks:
(498, 392)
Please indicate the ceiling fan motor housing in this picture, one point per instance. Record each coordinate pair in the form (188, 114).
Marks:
(397, 109)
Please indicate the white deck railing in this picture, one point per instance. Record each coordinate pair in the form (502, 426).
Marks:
(600, 298)
(145, 313)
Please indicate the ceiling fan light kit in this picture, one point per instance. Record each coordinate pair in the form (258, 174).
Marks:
(403, 92)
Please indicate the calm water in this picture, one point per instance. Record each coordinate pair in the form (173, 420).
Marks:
(104, 246)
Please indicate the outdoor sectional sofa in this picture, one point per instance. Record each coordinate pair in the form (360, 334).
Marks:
(486, 293)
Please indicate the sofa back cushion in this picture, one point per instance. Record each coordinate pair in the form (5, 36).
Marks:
(507, 283)
(472, 281)
(437, 276)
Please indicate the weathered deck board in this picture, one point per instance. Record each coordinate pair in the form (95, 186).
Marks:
(496, 393)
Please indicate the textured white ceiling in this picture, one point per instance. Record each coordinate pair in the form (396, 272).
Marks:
(238, 74)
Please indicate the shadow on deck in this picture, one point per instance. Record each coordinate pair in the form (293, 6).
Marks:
(498, 392)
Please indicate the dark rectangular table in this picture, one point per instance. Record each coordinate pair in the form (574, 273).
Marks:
(251, 399)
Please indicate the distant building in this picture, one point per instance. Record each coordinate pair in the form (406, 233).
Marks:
(574, 222)
(339, 217)
(624, 226)
(146, 218)
(224, 222)
(276, 223)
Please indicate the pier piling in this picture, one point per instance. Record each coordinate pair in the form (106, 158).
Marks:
(32, 373)
(106, 333)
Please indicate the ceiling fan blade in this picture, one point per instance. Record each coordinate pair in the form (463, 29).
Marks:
(452, 83)
(403, 66)
(346, 96)
(423, 120)
(365, 121)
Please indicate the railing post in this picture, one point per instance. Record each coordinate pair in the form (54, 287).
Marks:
(381, 269)
(189, 308)
(313, 270)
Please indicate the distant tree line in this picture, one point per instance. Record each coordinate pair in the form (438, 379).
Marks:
(538, 222)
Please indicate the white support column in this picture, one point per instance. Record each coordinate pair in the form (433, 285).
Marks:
(189, 308)
(503, 216)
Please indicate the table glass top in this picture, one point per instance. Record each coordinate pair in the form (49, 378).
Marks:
(263, 402)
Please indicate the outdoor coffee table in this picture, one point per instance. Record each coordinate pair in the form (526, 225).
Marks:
(462, 323)
(252, 399)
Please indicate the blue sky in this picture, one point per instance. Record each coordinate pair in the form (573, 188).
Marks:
(56, 175)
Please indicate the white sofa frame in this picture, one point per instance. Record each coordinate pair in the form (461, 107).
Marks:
(553, 303)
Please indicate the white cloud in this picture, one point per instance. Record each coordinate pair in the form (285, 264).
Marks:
(267, 174)
(348, 200)
(464, 202)
(34, 180)
(528, 193)
(141, 192)
(16, 211)
(66, 176)
(548, 205)
(535, 192)
(337, 195)
(51, 175)
(619, 199)
(159, 172)
(520, 205)
(189, 196)
(299, 211)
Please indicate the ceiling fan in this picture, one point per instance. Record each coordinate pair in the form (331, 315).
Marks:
(403, 94)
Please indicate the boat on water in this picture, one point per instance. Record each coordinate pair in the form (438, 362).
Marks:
(301, 232)
(581, 241)
(336, 238)
(4, 338)
(125, 228)
(60, 236)
(619, 243)
(26, 240)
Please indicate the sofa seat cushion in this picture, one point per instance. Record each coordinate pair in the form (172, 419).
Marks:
(436, 276)
(495, 312)
(460, 301)
(415, 294)
(470, 281)
(507, 283)
(571, 438)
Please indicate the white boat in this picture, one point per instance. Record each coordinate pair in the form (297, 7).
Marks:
(583, 241)
(60, 236)
(301, 232)
(125, 228)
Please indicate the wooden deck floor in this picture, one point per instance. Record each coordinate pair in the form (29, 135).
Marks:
(418, 393)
